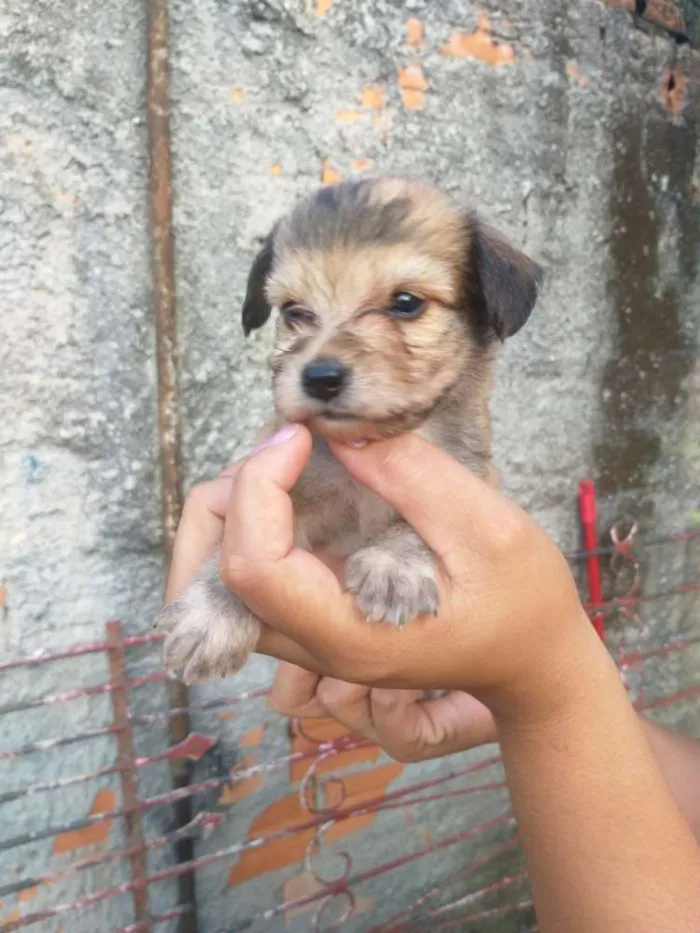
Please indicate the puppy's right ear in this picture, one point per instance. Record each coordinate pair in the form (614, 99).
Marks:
(256, 307)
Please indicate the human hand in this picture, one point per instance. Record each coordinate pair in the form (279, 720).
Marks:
(510, 628)
(404, 723)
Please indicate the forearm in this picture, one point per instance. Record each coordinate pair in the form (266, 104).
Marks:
(679, 759)
(607, 847)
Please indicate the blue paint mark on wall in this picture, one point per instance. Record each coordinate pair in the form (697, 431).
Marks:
(36, 469)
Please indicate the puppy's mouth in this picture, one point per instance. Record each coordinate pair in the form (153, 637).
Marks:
(337, 416)
(337, 423)
(345, 426)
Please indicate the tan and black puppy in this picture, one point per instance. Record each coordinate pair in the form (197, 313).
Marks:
(391, 304)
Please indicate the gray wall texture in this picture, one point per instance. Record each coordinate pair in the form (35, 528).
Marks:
(568, 125)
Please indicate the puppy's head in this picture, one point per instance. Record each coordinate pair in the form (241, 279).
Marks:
(387, 296)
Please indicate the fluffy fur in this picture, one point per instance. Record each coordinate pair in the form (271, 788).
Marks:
(333, 268)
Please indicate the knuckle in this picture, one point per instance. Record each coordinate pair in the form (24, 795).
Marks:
(512, 533)
(406, 754)
(281, 706)
(247, 474)
(334, 694)
(237, 572)
(198, 497)
(385, 701)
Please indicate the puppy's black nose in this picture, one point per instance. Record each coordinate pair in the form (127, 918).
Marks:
(323, 379)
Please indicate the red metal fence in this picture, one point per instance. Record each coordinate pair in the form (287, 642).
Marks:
(330, 799)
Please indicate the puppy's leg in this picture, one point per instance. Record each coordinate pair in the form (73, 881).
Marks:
(394, 578)
(209, 632)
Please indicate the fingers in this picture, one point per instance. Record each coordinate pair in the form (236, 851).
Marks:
(438, 496)
(200, 530)
(294, 692)
(401, 722)
(458, 721)
(412, 729)
(349, 704)
(279, 646)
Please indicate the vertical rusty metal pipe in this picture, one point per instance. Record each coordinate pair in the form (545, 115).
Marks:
(158, 106)
(128, 777)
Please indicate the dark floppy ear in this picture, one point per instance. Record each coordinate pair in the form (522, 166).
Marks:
(503, 282)
(256, 307)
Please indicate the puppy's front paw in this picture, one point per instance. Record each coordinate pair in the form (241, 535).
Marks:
(389, 589)
(208, 632)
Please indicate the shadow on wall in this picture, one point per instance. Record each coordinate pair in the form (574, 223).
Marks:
(654, 240)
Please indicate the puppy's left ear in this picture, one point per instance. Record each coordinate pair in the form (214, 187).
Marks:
(256, 307)
(503, 283)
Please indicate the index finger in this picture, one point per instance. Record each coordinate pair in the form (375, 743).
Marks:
(200, 530)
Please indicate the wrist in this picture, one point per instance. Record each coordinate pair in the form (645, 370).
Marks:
(562, 677)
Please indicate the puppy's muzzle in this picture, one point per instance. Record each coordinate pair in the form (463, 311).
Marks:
(324, 379)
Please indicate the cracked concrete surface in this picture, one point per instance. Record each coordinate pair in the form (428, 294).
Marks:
(554, 119)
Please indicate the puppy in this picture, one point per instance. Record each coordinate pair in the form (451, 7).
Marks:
(391, 304)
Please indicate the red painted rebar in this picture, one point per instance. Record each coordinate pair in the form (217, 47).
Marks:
(587, 511)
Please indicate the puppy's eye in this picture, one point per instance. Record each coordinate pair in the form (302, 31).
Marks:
(406, 305)
(294, 315)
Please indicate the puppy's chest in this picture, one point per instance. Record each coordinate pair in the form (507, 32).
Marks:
(334, 512)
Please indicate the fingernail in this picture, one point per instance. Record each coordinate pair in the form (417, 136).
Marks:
(357, 444)
(284, 434)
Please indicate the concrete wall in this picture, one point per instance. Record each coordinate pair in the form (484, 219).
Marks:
(557, 120)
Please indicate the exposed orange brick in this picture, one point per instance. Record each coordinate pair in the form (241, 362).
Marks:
(427, 836)
(673, 90)
(575, 75)
(359, 165)
(254, 736)
(105, 801)
(323, 6)
(413, 84)
(373, 98)
(3, 596)
(276, 169)
(326, 730)
(238, 789)
(227, 715)
(329, 176)
(27, 894)
(306, 885)
(288, 812)
(280, 815)
(303, 885)
(348, 116)
(236, 94)
(414, 33)
(479, 45)
(361, 788)
(666, 13)
(12, 917)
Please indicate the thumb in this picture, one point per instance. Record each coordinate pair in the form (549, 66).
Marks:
(438, 496)
(260, 519)
(288, 588)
